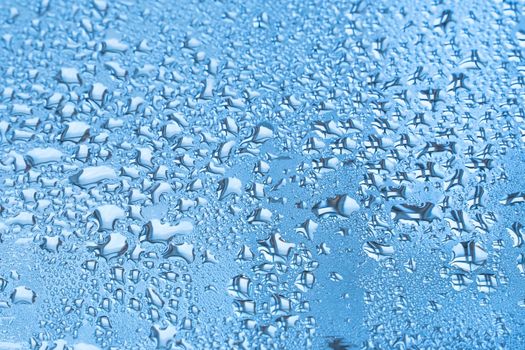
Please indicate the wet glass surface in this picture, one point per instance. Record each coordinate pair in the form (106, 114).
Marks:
(262, 174)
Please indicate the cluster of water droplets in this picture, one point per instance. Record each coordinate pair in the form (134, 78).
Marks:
(238, 175)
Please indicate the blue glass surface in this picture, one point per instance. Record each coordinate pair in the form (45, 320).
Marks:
(292, 174)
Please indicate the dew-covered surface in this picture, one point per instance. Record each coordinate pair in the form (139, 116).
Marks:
(262, 174)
